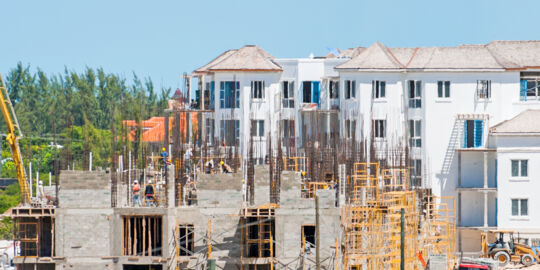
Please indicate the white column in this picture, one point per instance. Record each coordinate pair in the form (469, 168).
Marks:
(30, 177)
(90, 164)
(485, 208)
(50, 179)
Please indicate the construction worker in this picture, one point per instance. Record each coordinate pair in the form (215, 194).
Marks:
(187, 159)
(164, 158)
(136, 193)
(40, 191)
(149, 193)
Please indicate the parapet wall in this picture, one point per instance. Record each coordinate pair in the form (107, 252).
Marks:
(84, 189)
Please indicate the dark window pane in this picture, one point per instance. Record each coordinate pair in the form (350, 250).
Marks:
(515, 168)
(524, 206)
(515, 207)
(524, 168)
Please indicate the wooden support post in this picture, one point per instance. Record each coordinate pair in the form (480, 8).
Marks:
(149, 241)
(135, 236)
(144, 237)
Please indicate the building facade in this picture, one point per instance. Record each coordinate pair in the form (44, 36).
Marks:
(438, 101)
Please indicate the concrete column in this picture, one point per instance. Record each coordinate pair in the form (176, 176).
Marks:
(485, 169)
(485, 208)
(459, 168)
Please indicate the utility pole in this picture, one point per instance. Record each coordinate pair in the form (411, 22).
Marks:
(317, 235)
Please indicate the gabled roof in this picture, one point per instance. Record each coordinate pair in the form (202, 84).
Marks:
(497, 55)
(525, 122)
(247, 58)
(377, 56)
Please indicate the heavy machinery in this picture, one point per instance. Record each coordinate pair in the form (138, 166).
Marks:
(13, 135)
(505, 251)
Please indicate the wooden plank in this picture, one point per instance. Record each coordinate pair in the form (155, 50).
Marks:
(149, 243)
(143, 236)
(52, 236)
(129, 235)
(135, 237)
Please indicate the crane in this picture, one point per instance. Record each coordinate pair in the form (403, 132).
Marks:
(13, 135)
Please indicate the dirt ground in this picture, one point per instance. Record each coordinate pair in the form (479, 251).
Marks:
(520, 266)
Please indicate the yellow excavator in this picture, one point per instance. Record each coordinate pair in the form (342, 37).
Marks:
(13, 135)
(505, 251)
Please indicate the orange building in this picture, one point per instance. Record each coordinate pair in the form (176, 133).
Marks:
(153, 129)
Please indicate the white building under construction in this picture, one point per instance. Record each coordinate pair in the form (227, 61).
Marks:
(445, 103)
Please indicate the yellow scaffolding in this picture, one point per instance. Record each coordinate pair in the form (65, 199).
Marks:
(371, 220)
(295, 164)
(257, 229)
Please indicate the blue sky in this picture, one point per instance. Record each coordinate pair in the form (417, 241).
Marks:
(163, 39)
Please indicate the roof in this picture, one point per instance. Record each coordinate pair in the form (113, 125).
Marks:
(216, 60)
(497, 55)
(524, 123)
(154, 128)
(247, 58)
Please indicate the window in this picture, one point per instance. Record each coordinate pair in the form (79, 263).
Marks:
(210, 130)
(473, 131)
(415, 94)
(257, 89)
(310, 91)
(209, 95)
(350, 128)
(229, 132)
(186, 235)
(287, 132)
(415, 133)
(378, 89)
(379, 126)
(416, 172)
(229, 94)
(519, 168)
(257, 128)
(308, 237)
(288, 94)
(483, 89)
(520, 207)
(334, 89)
(443, 89)
(350, 89)
(529, 89)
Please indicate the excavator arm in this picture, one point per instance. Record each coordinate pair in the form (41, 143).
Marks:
(12, 139)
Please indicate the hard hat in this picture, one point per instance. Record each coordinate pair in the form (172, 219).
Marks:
(163, 149)
(135, 182)
(243, 180)
(40, 182)
(303, 173)
(149, 181)
(221, 162)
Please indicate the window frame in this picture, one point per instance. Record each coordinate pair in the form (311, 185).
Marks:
(257, 91)
(350, 128)
(414, 94)
(443, 89)
(525, 89)
(287, 92)
(483, 89)
(379, 126)
(258, 128)
(378, 89)
(415, 133)
(521, 164)
(234, 96)
(333, 89)
(350, 89)
(519, 201)
(416, 172)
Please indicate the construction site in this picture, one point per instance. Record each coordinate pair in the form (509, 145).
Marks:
(331, 205)
(258, 183)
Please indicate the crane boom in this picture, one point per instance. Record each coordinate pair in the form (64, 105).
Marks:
(13, 140)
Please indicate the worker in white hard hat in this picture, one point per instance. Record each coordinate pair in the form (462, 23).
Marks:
(40, 191)
(136, 193)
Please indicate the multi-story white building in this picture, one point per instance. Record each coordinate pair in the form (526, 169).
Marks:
(442, 101)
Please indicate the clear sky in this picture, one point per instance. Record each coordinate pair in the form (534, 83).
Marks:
(163, 39)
